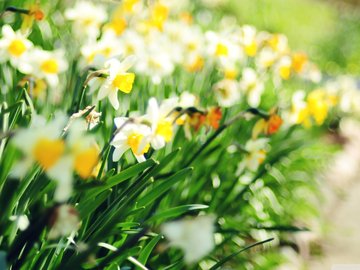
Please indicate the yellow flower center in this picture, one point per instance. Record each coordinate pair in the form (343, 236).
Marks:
(124, 82)
(164, 129)
(118, 25)
(50, 66)
(159, 15)
(134, 141)
(128, 5)
(196, 65)
(230, 74)
(251, 49)
(86, 161)
(47, 152)
(284, 72)
(221, 50)
(17, 47)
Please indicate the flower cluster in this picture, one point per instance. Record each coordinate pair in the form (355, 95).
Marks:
(59, 155)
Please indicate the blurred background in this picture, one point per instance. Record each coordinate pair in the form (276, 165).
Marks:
(328, 30)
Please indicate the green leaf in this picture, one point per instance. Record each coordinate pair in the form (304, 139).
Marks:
(122, 176)
(163, 187)
(175, 212)
(228, 258)
(3, 260)
(146, 251)
(86, 207)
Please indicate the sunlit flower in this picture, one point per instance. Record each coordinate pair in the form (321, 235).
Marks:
(96, 53)
(268, 125)
(63, 221)
(298, 61)
(83, 149)
(255, 155)
(41, 143)
(132, 136)
(283, 67)
(221, 46)
(249, 41)
(161, 123)
(48, 65)
(118, 79)
(252, 86)
(227, 92)
(14, 47)
(87, 18)
(194, 236)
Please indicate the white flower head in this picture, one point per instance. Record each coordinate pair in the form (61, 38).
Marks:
(14, 46)
(118, 79)
(132, 136)
(161, 123)
(87, 18)
(195, 236)
(252, 86)
(255, 155)
(227, 92)
(48, 65)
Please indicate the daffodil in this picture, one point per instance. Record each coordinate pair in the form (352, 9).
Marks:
(227, 92)
(48, 65)
(132, 136)
(83, 150)
(161, 123)
(87, 18)
(300, 113)
(220, 46)
(97, 53)
(194, 236)
(118, 79)
(14, 46)
(252, 86)
(255, 155)
(45, 147)
(283, 67)
(249, 40)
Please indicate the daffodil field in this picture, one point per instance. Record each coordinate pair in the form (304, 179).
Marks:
(157, 135)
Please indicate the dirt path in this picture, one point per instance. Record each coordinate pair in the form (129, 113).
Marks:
(341, 241)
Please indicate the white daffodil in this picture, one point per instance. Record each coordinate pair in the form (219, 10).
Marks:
(265, 58)
(41, 144)
(227, 92)
(255, 155)
(118, 79)
(87, 18)
(132, 136)
(131, 43)
(83, 149)
(97, 53)
(14, 47)
(156, 59)
(161, 123)
(299, 109)
(187, 99)
(65, 220)
(195, 236)
(252, 86)
(283, 68)
(48, 65)
(221, 46)
(249, 40)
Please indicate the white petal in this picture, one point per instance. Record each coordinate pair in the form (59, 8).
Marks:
(113, 99)
(118, 152)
